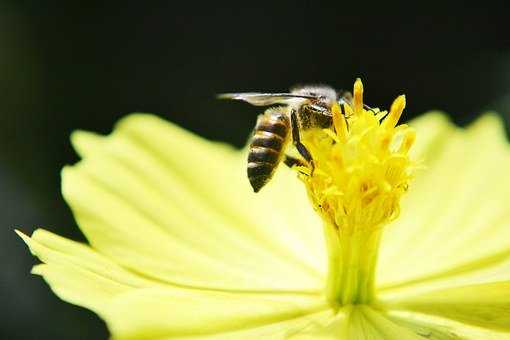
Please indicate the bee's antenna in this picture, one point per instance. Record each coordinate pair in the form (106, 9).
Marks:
(367, 107)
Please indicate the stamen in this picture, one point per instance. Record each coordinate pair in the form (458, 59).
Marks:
(339, 122)
(408, 141)
(358, 96)
(395, 112)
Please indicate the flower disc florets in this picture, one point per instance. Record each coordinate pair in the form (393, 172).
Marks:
(362, 166)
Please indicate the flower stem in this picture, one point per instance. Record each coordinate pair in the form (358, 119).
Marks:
(352, 262)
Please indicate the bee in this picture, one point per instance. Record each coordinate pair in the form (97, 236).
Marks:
(304, 108)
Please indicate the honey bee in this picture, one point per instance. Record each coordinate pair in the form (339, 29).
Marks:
(304, 108)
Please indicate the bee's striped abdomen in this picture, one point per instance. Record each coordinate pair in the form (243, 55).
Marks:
(267, 146)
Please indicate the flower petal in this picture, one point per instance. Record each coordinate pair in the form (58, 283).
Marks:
(176, 208)
(438, 328)
(77, 273)
(153, 313)
(359, 322)
(384, 328)
(353, 322)
(137, 308)
(310, 326)
(484, 305)
(454, 219)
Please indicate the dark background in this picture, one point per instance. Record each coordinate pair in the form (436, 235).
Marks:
(68, 65)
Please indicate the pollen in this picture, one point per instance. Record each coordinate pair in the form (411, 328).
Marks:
(361, 165)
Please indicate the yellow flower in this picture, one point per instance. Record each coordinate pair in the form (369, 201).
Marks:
(179, 246)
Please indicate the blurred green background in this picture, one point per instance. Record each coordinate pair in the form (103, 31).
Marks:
(69, 65)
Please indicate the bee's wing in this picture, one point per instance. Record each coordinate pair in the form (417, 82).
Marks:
(263, 99)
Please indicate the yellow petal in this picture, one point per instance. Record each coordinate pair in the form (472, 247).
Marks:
(154, 313)
(176, 208)
(137, 308)
(310, 326)
(358, 322)
(484, 305)
(454, 219)
(438, 328)
(77, 273)
(365, 323)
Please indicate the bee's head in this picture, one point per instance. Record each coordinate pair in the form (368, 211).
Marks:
(325, 95)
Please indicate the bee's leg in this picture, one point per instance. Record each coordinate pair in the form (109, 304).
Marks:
(303, 151)
(291, 161)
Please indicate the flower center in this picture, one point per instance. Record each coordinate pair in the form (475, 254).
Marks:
(361, 170)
